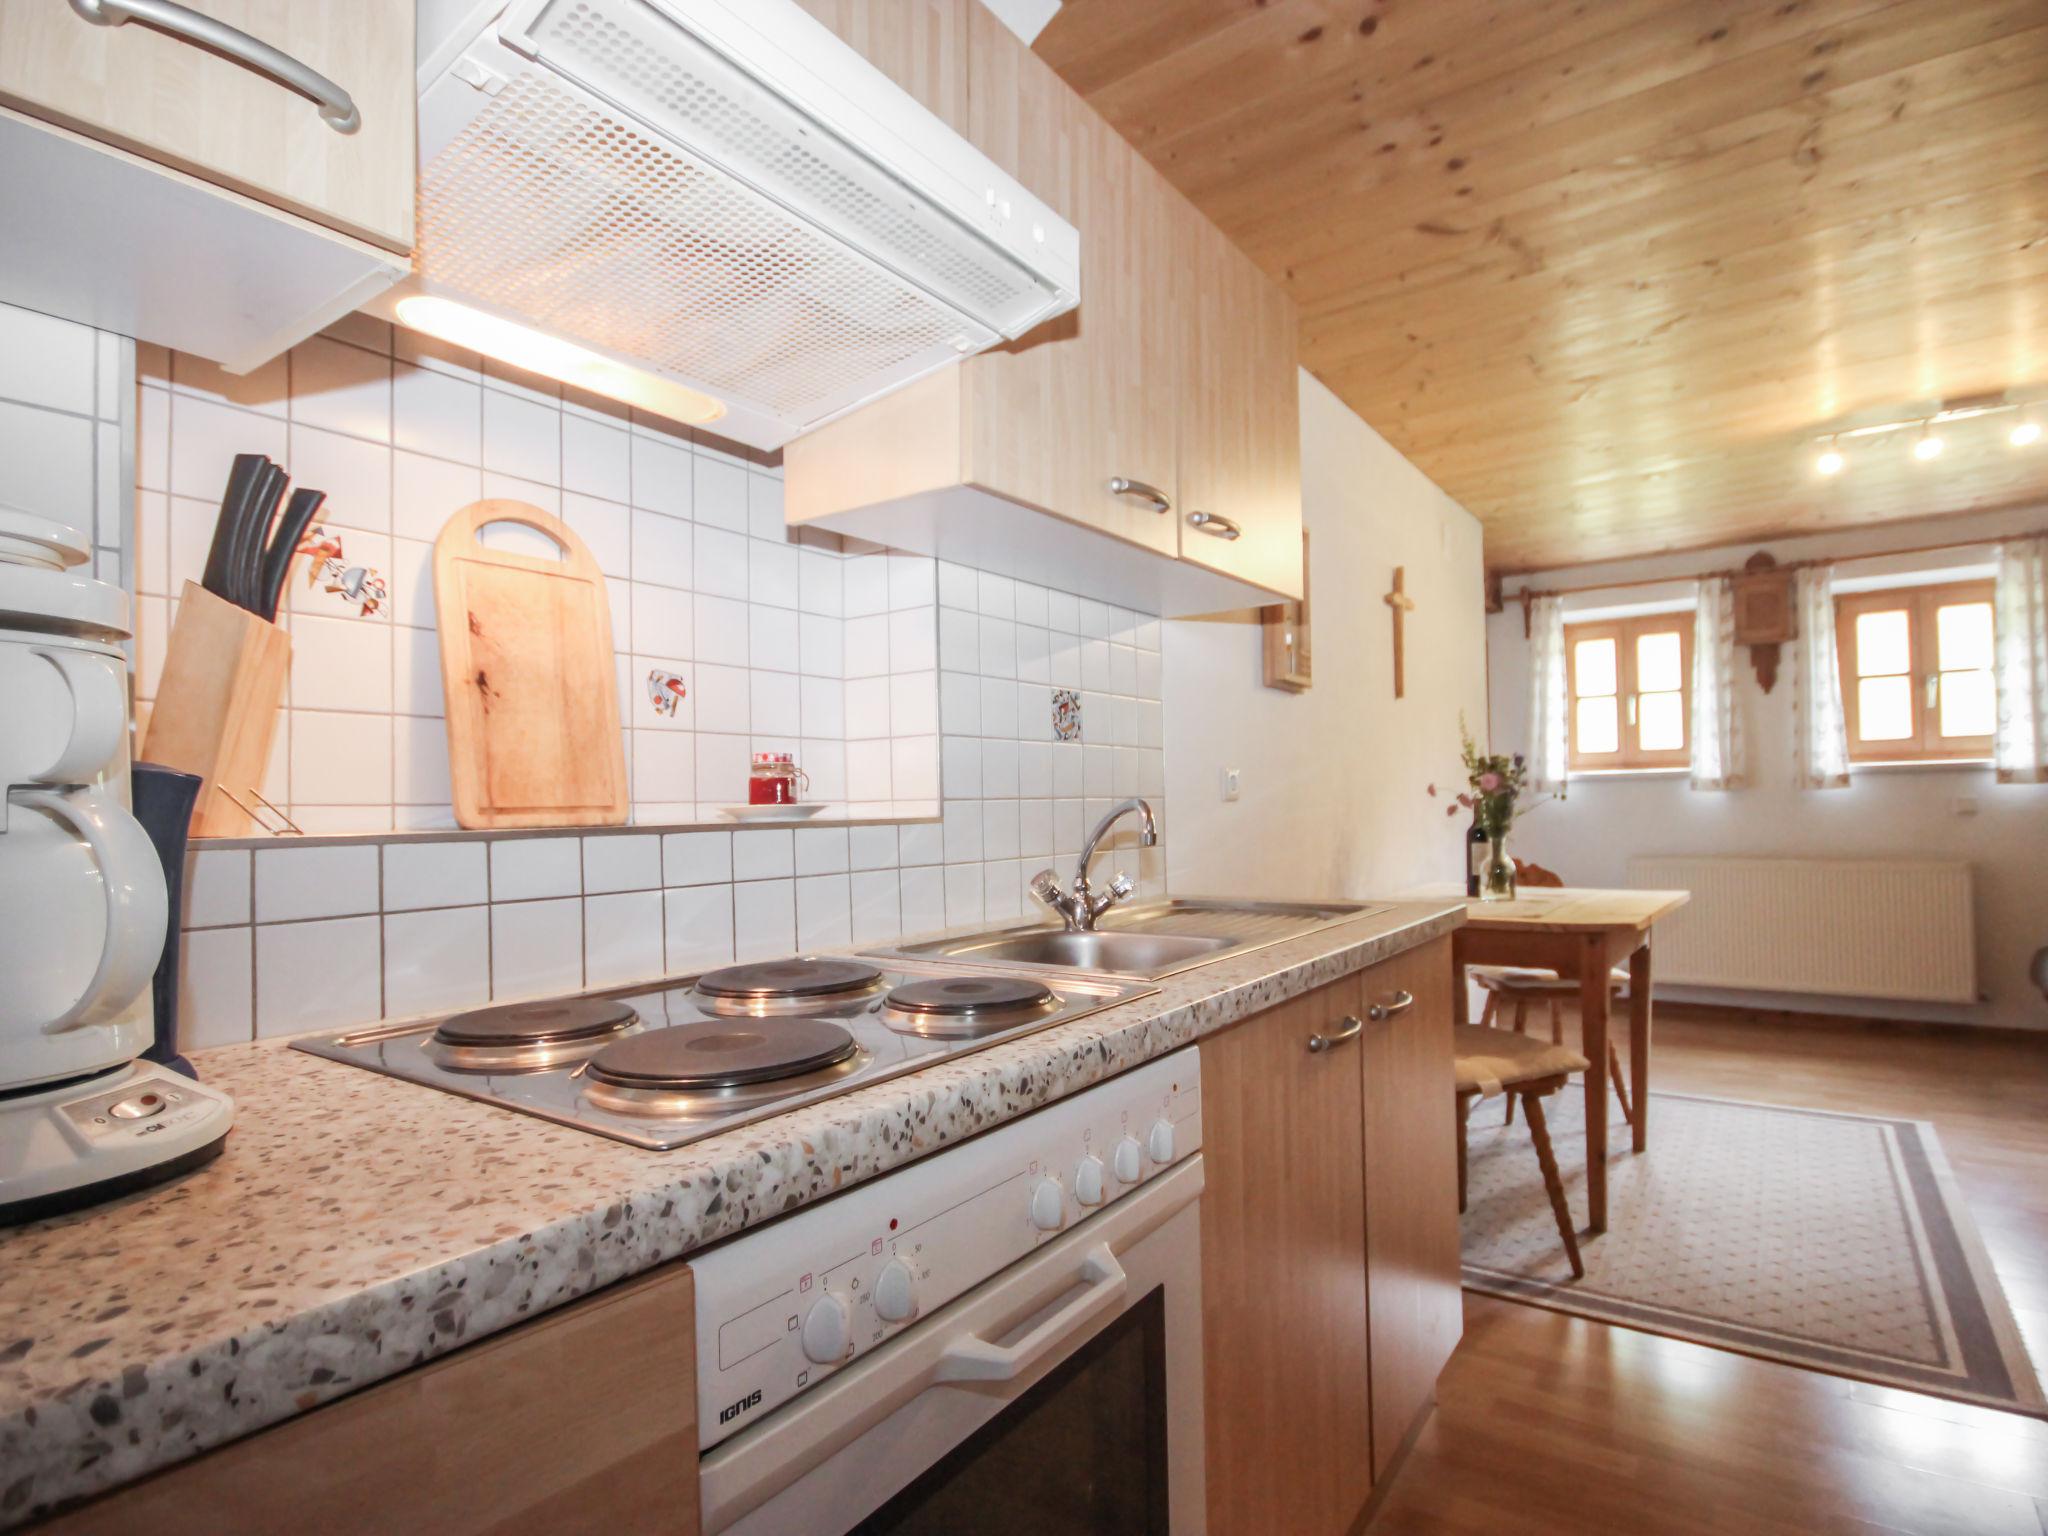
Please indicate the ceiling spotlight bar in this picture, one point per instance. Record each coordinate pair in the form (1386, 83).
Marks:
(1962, 411)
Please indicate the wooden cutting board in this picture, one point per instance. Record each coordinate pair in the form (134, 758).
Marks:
(527, 670)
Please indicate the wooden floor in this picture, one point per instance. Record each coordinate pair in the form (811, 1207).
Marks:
(1547, 1423)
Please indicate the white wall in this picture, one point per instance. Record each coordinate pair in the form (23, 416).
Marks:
(1334, 798)
(1946, 812)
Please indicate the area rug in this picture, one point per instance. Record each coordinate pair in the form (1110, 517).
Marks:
(1832, 1241)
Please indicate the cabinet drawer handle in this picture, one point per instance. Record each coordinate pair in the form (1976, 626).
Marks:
(1348, 1030)
(1119, 486)
(1215, 524)
(1380, 1012)
(336, 106)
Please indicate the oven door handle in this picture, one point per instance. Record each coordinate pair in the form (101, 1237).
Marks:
(973, 1358)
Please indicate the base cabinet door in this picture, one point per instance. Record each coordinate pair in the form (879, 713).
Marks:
(582, 1422)
(1411, 1187)
(1283, 1278)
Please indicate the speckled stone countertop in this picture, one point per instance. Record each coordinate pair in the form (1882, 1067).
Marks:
(357, 1225)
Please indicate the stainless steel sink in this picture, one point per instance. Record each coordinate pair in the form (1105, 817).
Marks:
(1151, 940)
(1120, 953)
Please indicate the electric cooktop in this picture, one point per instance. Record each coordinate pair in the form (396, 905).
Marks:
(669, 1062)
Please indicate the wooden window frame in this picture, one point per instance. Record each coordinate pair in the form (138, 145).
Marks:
(1926, 744)
(1625, 633)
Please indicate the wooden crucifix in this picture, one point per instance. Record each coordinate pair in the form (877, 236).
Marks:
(1401, 603)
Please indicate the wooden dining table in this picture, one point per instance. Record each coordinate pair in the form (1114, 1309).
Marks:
(1582, 934)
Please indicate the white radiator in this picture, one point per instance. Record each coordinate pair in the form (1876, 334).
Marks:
(1889, 928)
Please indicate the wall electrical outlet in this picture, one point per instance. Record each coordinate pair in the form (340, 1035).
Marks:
(1963, 805)
(1233, 781)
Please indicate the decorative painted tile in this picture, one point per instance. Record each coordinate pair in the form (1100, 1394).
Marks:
(359, 587)
(665, 690)
(1066, 715)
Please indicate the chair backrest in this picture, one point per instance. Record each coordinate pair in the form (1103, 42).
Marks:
(1532, 874)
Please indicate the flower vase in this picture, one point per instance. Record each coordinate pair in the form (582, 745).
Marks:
(1497, 881)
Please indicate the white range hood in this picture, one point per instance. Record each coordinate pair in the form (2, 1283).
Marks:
(719, 193)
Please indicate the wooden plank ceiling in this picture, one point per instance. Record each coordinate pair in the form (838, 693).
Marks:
(1604, 268)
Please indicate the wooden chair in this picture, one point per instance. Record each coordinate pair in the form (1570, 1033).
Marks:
(1521, 985)
(1491, 1061)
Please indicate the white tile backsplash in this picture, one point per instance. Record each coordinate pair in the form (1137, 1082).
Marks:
(764, 919)
(536, 948)
(298, 883)
(436, 961)
(318, 975)
(622, 938)
(401, 432)
(215, 989)
(523, 868)
(626, 862)
(906, 684)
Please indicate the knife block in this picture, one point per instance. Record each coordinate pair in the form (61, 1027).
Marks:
(216, 707)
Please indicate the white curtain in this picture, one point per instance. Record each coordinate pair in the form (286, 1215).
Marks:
(1716, 725)
(1823, 736)
(1549, 698)
(2022, 619)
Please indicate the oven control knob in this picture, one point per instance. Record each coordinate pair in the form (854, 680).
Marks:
(1048, 1205)
(1128, 1160)
(1160, 1143)
(828, 1330)
(1088, 1181)
(895, 1293)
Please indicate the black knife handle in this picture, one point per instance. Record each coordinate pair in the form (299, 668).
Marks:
(247, 575)
(284, 544)
(244, 478)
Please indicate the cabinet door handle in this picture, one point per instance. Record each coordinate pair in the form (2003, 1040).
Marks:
(1379, 1013)
(1214, 524)
(336, 106)
(1348, 1030)
(1120, 486)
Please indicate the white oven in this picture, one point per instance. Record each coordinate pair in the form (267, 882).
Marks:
(1004, 1336)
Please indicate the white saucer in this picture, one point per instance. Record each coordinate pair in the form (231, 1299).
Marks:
(803, 810)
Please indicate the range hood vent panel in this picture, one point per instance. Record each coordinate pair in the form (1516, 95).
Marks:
(726, 195)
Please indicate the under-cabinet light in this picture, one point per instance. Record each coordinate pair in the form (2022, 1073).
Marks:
(537, 352)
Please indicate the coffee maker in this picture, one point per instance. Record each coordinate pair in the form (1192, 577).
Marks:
(83, 911)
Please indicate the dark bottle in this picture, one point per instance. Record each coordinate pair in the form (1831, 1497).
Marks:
(1476, 850)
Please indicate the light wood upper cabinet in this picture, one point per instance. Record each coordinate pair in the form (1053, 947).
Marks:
(919, 44)
(1240, 412)
(181, 105)
(1411, 1190)
(1176, 373)
(1052, 418)
(1285, 1351)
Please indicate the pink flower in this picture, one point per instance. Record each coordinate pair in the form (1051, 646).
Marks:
(1489, 782)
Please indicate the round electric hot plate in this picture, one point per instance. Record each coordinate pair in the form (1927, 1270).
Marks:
(715, 1055)
(561, 1020)
(953, 1007)
(527, 1037)
(783, 984)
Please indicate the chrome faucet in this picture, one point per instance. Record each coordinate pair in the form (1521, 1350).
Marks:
(1080, 907)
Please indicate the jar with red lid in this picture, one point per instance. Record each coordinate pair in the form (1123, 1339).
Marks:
(775, 780)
